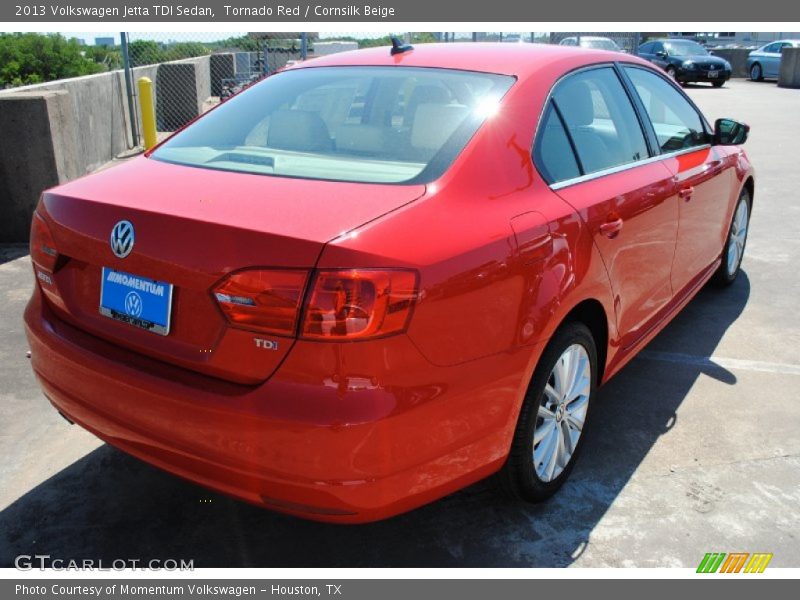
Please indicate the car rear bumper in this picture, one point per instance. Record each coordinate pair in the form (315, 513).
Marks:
(313, 440)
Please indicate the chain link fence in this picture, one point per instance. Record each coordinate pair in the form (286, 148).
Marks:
(192, 72)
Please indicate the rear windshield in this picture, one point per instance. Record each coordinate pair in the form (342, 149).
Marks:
(361, 124)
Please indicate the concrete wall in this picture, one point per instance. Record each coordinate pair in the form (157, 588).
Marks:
(35, 154)
(97, 102)
(738, 59)
(325, 48)
(789, 75)
(182, 88)
(221, 67)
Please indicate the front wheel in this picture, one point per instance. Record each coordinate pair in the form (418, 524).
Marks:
(552, 422)
(717, 84)
(734, 245)
(671, 73)
(756, 74)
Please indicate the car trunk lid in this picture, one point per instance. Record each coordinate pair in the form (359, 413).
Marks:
(192, 228)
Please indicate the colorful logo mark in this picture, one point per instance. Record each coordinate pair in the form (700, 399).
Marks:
(735, 562)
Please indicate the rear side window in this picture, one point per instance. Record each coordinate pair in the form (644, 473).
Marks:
(362, 124)
(553, 153)
(677, 124)
(600, 120)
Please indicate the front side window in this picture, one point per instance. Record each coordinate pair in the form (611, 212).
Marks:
(677, 124)
(362, 124)
(600, 120)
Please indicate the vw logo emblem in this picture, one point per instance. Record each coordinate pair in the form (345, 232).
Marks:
(122, 238)
(711, 68)
(133, 304)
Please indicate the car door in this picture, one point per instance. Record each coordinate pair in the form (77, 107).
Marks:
(702, 174)
(625, 200)
(659, 55)
(645, 51)
(772, 59)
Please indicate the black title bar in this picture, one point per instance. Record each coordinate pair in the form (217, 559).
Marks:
(387, 11)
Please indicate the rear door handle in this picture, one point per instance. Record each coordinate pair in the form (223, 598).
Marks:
(611, 229)
(686, 193)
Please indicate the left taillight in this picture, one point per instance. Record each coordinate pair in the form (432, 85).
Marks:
(261, 300)
(42, 246)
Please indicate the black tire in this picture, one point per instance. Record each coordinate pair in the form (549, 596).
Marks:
(671, 72)
(518, 477)
(756, 72)
(717, 84)
(724, 276)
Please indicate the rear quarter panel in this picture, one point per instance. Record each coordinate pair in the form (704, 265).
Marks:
(483, 289)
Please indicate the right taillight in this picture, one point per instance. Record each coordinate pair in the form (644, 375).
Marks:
(358, 304)
(42, 246)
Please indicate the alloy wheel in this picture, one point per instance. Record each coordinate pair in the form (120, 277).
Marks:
(738, 236)
(562, 413)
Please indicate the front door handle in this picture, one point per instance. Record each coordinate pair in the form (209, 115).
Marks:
(611, 229)
(686, 193)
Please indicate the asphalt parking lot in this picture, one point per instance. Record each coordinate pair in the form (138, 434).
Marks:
(694, 446)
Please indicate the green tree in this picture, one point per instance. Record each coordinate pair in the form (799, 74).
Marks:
(145, 52)
(185, 50)
(109, 57)
(27, 58)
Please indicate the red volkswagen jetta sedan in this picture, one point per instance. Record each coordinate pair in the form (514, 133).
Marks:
(380, 276)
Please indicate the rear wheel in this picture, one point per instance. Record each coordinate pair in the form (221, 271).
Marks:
(756, 74)
(734, 245)
(554, 415)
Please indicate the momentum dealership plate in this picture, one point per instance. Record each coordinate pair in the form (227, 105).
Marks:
(136, 300)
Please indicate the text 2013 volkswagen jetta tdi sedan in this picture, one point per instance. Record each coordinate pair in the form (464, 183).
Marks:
(369, 281)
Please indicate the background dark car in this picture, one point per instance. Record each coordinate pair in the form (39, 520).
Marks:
(687, 61)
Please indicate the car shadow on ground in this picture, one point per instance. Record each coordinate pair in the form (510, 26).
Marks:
(703, 86)
(9, 252)
(109, 506)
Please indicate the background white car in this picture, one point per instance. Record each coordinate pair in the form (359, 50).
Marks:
(766, 61)
(592, 41)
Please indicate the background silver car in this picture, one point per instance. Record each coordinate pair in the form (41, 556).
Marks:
(766, 61)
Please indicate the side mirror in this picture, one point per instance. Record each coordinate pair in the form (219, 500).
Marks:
(728, 132)
(661, 54)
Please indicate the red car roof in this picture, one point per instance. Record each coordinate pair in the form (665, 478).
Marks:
(521, 60)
